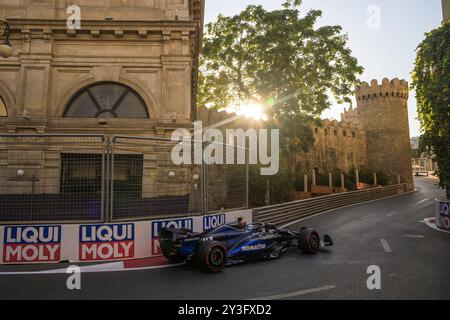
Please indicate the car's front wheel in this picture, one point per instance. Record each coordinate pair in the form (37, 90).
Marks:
(211, 256)
(308, 241)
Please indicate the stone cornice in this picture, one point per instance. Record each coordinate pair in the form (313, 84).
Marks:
(50, 25)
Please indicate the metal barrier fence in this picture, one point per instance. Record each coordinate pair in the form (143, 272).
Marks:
(289, 212)
(227, 187)
(52, 178)
(145, 182)
(96, 178)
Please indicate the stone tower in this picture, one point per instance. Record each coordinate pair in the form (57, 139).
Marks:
(383, 110)
(446, 10)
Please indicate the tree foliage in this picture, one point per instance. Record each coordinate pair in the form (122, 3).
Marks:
(282, 60)
(270, 55)
(431, 79)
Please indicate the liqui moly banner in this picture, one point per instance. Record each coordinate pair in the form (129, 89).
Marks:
(213, 221)
(31, 244)
(443, 214)
(106, 242)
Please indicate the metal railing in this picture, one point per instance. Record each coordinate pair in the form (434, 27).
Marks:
(290, 212)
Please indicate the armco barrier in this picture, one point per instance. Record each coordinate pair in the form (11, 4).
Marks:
(289, 212)
(28, 244)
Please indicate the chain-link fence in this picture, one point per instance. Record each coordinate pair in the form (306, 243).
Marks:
(227, 187)
(52, 178)
(95, 178)
(146, 183)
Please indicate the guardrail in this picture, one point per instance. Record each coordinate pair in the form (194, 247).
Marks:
(289, 212)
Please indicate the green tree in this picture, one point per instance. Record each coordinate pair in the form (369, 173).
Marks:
(282, 60)
(270, 55)
(431, 79)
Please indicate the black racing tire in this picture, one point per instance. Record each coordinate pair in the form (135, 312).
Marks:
(308, 241)
(211, 256)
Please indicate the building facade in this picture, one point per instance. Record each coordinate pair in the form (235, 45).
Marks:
(130, 69)
(149, 47)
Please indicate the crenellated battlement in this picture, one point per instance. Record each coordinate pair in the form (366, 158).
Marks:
(374, 135)
(387, 89)
(334, 128)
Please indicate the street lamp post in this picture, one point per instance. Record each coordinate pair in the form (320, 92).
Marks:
(6, 48)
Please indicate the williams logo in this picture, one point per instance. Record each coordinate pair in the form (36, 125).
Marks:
(256, 247)
(106, 242)
(32, 244)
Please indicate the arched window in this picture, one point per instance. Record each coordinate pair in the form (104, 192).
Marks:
(107, 100)
(3, 111)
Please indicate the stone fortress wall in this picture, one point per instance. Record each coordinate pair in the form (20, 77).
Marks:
(374, 135)
(338, 145)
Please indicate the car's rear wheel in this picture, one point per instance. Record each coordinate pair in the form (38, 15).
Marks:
(308, 241)
(211, 256)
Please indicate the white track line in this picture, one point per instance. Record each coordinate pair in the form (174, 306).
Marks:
(423, 201)
(110, 267)
(351, 205)
(386, 246)
(414, 236)
(391, 214)
(295, 294)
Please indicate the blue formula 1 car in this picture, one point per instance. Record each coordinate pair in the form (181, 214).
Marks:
(236, 243)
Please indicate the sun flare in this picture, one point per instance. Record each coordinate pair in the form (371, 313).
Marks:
(251, 110)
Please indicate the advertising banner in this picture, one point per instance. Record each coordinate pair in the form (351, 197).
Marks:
(106, 242)
(443, 214)
(35, 244)
(31, 244)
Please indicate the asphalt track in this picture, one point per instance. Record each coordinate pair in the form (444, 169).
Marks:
(414, 261)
